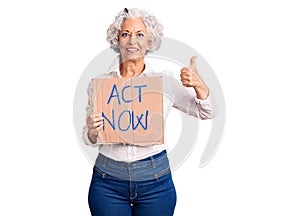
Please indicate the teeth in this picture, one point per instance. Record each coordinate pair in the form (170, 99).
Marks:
(132, 49)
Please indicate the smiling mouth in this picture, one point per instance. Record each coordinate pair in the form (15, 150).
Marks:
(132, 49)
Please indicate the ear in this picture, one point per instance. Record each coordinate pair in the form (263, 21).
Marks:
(150, 43)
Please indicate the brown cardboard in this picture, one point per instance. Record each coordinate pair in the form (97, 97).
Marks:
(131, 110)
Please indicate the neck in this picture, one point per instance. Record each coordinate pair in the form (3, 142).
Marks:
(132, 68)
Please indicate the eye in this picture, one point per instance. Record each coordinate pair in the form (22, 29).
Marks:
(140, 35)
(124, 34)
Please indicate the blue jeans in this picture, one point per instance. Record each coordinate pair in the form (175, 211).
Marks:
(140, 188)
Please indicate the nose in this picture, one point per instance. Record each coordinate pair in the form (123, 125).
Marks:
(132, 39)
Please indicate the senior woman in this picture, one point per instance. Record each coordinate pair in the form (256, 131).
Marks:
(129, 179)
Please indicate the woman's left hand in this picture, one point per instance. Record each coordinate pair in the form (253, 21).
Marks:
(191, 78)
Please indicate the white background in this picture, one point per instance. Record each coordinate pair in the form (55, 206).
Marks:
(253, 47)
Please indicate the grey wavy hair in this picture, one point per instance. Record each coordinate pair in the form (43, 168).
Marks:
(154, 28)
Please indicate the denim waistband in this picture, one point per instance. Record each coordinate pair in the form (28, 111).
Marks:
(148, 168)
(161, 154)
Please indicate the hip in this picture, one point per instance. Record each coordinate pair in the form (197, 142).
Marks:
(152, 167)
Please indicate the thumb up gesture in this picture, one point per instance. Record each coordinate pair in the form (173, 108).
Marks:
(191, 78)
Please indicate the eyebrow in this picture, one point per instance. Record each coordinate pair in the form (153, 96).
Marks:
(136, 31)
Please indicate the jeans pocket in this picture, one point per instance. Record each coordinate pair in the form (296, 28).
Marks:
(99, 172)
(162, 173)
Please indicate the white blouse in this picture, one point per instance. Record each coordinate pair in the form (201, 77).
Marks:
(174, 95)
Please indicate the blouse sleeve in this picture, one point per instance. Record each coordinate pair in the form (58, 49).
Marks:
(89, 111)
(185, 99)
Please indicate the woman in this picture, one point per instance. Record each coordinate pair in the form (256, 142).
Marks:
(129, 179)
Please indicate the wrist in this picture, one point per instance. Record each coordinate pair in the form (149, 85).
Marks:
(92, 136)
(201, 92)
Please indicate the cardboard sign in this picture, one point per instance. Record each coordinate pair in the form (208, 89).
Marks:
(131, 110)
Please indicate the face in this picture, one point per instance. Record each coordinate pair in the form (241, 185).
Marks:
(133, 40)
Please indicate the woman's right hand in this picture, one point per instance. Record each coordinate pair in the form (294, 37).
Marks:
(94, 124)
